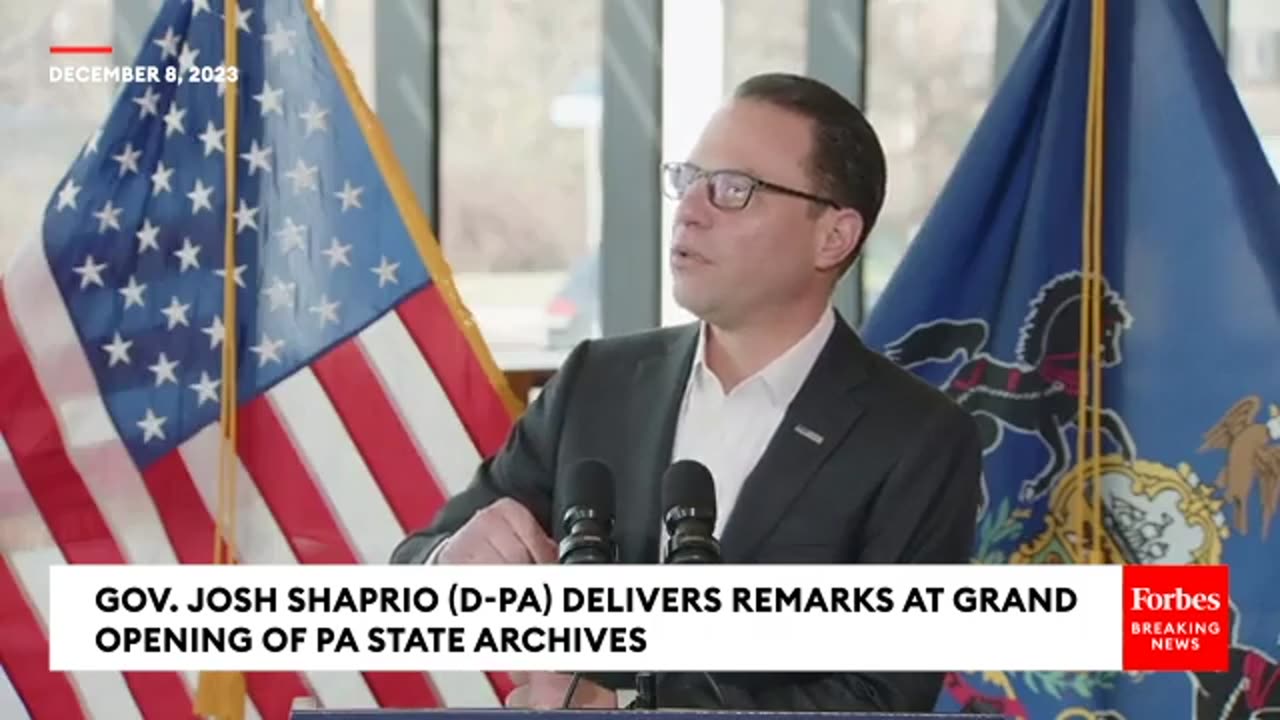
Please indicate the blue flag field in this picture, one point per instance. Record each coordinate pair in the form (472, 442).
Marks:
(1099, 284)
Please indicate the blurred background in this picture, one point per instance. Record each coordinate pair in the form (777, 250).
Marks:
(532, 129)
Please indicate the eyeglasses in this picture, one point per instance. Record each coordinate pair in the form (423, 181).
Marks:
(727, 189)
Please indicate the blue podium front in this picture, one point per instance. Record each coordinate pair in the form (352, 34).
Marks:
(500, 714)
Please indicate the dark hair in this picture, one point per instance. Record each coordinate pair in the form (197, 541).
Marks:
(847, 162)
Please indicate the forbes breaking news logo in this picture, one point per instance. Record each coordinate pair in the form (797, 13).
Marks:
(1176, 617)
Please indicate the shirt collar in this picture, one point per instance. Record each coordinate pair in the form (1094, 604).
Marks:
(784, 375)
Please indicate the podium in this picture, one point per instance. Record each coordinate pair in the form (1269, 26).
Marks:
(505, 714)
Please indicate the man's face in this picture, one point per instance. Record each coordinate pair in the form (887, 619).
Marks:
(727, 265)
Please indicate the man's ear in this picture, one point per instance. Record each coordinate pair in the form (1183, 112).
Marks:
(841, 239)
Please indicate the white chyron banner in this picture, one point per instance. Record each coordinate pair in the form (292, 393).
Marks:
(597, 618)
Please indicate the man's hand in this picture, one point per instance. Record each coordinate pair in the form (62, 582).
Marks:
(546, 690)
(504, 533)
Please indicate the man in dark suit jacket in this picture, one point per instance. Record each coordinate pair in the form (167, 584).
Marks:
(822, 450)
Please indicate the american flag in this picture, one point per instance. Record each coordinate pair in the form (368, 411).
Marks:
(365, 394)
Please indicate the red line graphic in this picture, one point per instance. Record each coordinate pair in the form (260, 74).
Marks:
(79, 49)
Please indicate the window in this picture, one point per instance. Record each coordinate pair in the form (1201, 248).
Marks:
(44, 124)
(351, 23)
(709, 46)
(1253, 49)
(1256, 55)
(519, 170)
(763, 36)
(930, 72)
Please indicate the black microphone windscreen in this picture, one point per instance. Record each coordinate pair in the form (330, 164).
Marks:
(589, 484)
(587, 522)
(688, 484)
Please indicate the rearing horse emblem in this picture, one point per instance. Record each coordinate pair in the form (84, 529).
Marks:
(1036, 394)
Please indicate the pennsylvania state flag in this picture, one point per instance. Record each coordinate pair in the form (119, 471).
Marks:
(1099, 284)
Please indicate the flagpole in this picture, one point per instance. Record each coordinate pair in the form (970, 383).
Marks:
(224, 539)
(1088, 415)
(1099, 169)
(1086, 263)
(221, 695)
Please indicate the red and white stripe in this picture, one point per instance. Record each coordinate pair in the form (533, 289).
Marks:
(338, 462)
(11, 706)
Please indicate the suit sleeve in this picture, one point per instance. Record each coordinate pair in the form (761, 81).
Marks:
(925, 512)
(524, 469)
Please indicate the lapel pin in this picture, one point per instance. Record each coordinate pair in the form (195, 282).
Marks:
(809, 435)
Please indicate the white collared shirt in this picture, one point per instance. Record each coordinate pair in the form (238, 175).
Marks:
(728, 433)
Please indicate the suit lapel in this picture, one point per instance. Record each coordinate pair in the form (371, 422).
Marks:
(815, 423)
(659, 381)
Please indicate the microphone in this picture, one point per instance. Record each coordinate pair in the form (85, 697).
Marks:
(689, 496)
(587, 521)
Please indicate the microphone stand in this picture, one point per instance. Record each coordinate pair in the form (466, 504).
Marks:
(691, 550)
(682, 548)
(568, 694)
(646, 691)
